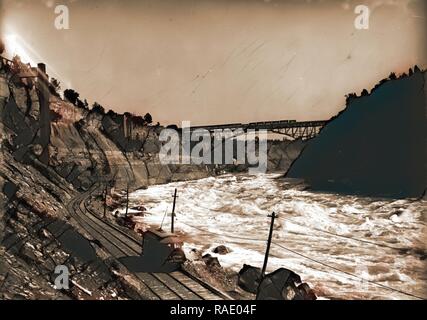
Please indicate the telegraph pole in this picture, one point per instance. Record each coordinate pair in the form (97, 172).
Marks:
(173, 212)
(105, 199)
(267, 252)
(127, 199)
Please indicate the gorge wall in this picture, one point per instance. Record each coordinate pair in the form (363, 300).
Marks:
(376, 146)
(88, 146)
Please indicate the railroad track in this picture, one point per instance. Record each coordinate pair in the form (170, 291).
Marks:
(178, 285)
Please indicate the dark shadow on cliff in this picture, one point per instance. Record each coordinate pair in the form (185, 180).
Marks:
(376, 146)
(156, 257)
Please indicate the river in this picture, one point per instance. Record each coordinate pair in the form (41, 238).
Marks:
(344, 247)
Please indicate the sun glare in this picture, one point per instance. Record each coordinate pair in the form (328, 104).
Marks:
(14, 47)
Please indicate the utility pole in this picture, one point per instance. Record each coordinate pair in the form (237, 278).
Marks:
(105, 199)
(267, 252)
(173, 212)
(127, 199)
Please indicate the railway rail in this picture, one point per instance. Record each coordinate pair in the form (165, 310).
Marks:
(178, 285)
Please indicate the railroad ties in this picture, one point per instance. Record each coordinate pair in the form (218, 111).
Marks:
(177, 285)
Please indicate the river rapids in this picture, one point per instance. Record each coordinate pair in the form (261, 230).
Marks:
(344, 247)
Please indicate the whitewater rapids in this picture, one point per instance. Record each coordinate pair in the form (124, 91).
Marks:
(361, 245)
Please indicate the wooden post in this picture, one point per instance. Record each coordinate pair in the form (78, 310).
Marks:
(267, 252)
(127, 200)
(173, 213)
(105, 199)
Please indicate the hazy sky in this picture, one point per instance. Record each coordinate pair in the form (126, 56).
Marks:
(220, 61)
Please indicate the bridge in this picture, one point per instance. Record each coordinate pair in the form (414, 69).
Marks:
(291, 128)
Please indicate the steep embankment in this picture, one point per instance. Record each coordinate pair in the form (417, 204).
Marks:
(375, 147)
(37, 233)
(94, 148)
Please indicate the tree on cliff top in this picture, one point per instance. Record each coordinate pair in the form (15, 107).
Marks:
(71, 95)
(138, 121)
(148, 118)
(98, 108)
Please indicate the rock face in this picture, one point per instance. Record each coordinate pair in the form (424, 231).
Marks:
(375, 147)
(281, 154)
(4, 90)
(35, 238)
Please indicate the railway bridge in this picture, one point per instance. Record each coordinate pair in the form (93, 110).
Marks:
(291, 128)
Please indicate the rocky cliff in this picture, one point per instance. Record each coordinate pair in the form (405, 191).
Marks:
(281, 154)
(36, 231)
(376, 146)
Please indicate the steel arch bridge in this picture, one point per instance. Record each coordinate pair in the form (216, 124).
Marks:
(292, 128)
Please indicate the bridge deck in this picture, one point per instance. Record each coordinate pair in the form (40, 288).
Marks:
(268, 125)
(292, 128)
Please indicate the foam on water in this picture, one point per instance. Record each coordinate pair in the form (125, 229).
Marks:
(232, 210)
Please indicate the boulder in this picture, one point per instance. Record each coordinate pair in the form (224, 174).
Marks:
(211, 262)
(221, 250)
(249, 278)
(284, 284)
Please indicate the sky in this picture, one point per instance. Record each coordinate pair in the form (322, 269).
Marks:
(220, 61)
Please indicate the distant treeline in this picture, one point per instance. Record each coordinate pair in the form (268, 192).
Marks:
(391, 77)
(74, 98)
